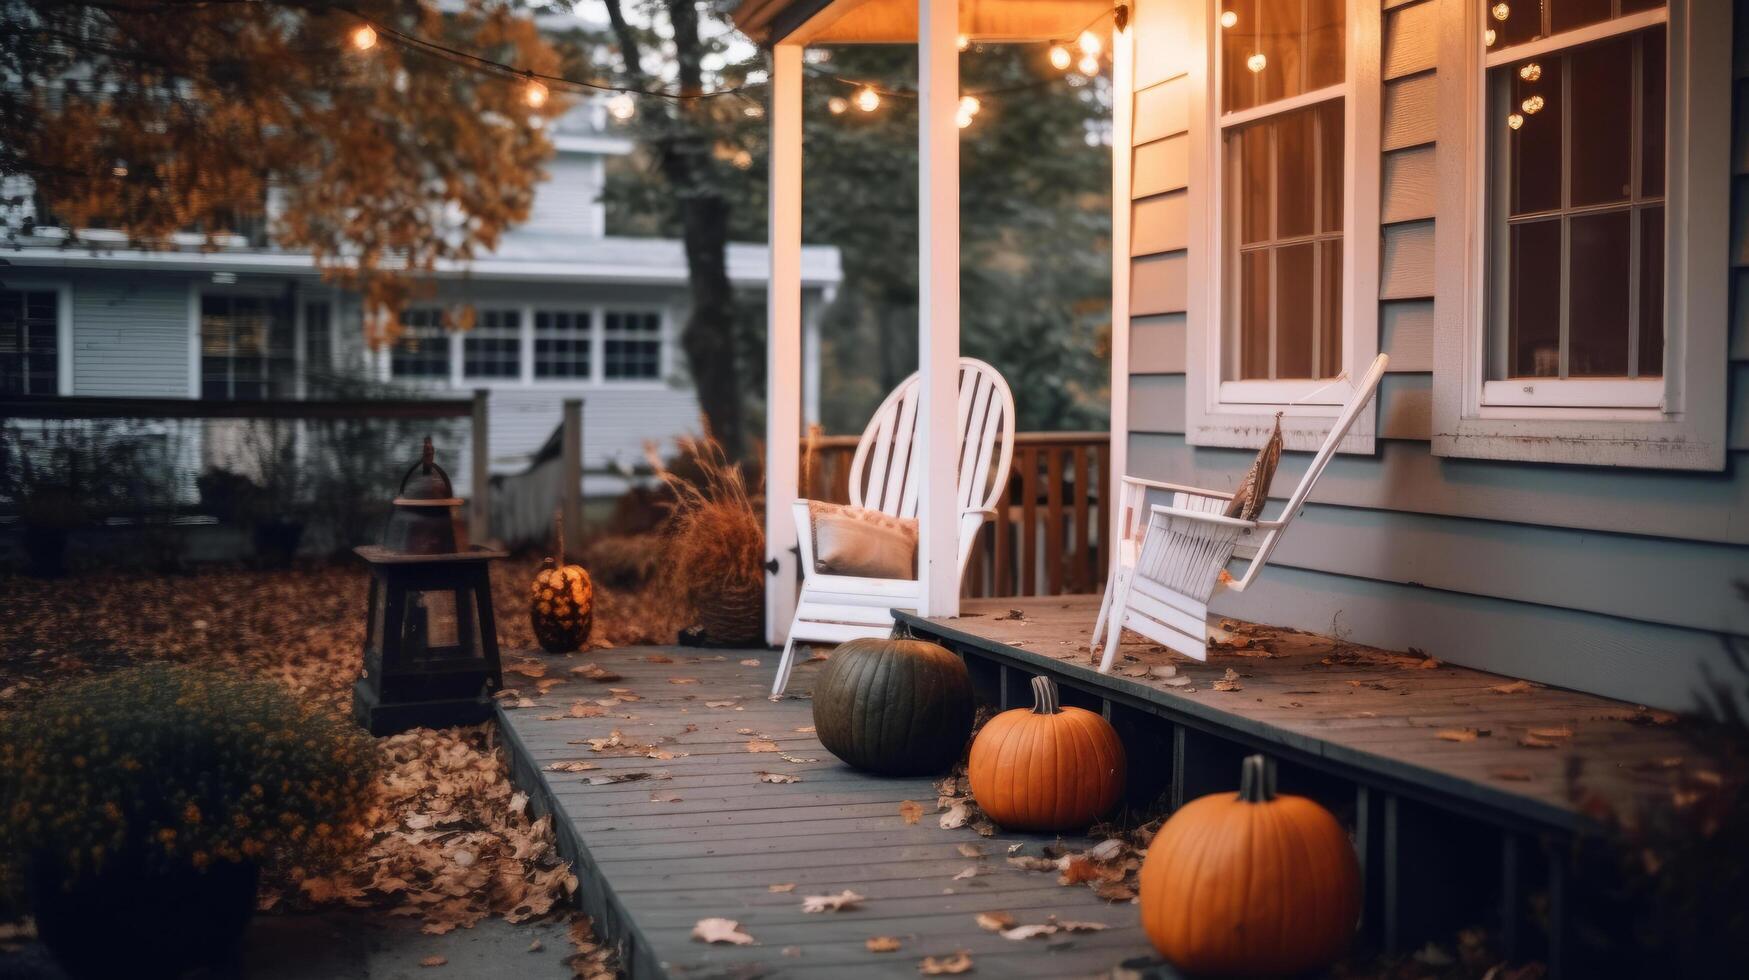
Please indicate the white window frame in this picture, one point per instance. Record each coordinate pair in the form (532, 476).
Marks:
(63, 291)
(452, 342)
(1220, 412)
(461, 346)
(525, 377)
(1676, 422)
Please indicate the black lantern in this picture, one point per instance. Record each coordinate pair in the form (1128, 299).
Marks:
(430, 647)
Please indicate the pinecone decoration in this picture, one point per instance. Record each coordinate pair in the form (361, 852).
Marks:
(561, 602)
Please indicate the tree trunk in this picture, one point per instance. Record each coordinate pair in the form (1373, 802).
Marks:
(709, 337)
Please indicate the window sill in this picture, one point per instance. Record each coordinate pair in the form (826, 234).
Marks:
(1314, 397)
(1601, 393)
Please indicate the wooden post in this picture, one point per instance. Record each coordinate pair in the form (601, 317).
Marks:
(783, 394)
(480, 509)
(938, 306)
(571, 475)
(1122, 126)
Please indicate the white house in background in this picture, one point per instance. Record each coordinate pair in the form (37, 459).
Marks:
(564, 310)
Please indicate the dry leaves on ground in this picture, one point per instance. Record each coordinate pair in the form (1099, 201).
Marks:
(840, 902)
(911, 811)
(777, 777)
(883, 944)
(1456, 734)
(953, 964)
(720, 931)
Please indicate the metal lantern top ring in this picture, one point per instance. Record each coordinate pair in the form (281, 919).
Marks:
(423, 521)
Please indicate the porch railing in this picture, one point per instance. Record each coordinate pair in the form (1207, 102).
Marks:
(1047, 539)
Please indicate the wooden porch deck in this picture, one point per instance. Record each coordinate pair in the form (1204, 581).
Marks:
(693, 833)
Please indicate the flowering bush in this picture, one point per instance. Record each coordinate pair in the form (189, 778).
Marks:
(163, 767)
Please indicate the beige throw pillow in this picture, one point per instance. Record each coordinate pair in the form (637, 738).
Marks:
(1253, 490)
(867, 543)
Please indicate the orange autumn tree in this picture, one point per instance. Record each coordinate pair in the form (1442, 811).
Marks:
(157, 116)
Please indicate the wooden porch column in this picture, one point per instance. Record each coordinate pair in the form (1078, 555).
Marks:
(1122, 126)
(938, 304)
(783, 384)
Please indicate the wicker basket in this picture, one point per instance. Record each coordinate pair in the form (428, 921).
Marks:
(733, 615)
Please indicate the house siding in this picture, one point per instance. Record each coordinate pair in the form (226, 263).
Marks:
(1616, 581)
(131, 335)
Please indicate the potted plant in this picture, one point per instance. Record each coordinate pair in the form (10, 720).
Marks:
(143, 806)
(716, 545)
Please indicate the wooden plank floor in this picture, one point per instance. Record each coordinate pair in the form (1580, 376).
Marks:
(1369, 710)
(701, 836)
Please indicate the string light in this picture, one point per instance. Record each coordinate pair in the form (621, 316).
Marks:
(962, 119)
(1531, 72)
(1532, 105)
(962, 42)
(868, 100)
(622, 106)
(1089, 44)
(1229, 18)
(836, 105)
(1488, 35)
(1088, 66)
(535, 94)
(1502, 11)
(1256, 62)
(364, 38)
(970, 105)
(1060, 57)
(1515, 120)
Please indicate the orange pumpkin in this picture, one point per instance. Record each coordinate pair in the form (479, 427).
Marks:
(1250, 883)
(1047, 768)
(561, 601)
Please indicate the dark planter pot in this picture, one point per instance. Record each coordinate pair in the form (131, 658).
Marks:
(276, 542)
(131, 923)
(45, 550)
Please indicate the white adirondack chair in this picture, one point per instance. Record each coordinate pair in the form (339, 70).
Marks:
(1165, 570)
(884, 476)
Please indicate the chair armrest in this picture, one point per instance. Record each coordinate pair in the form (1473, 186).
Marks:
(1163, 510)
(1176, 488)
(984, 511)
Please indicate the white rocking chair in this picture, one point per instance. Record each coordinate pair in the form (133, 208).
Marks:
(1164, 572)
(884, 476)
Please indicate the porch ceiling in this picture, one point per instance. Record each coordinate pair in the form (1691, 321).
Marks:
(895, 21)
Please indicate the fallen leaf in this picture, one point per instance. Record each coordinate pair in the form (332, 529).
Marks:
(1107, 849)
(720, 931)
(882, 944)
(598, 674)
(1114, 891)
(719, 704)
(1071, 926)
(1561, 732)
(1229, 682)
(535, 947)
(683, 680)
(970, 850)
(798, 760)
(1513, 687)
(1456, 734)
(912, 812)
(1531, 741)
(750, 662)
(955, 817)
(778, 777)
(1027, 862)
(761, 745)
(995, 921)
(788, 886)
(575, 766)
(1179, 681)
(960, 962)
(433, 961)
(808, 730)
(1029, 931)
(967, 873)
(845, 899)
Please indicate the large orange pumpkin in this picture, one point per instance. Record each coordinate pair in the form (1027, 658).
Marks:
(1047, 768)
(1250, 883)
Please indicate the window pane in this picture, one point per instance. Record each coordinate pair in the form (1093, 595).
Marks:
(29, 342)
(1281, 44)
(1330, 309)
(1652, 113)
(1602, 107)
(632, 346)
(493, 349)
(1251, 182)
(1326, 54)
(1568, 14)
(1536, 144)
(1295, 179)
(1330, 121)
(1597, 321)
(1238, 43)
(1295, 277)
(1523, 20)
(1651, 293)
(1534, 304)
(1254, 314)
(423, 348)
(562, 346)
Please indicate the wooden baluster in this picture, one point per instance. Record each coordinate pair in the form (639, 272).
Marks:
(1102, 472)
(1081, 578)
(1002, 579)
(1028, 521)
(1054, 520)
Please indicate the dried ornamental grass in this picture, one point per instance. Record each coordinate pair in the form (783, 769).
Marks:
(716, 540)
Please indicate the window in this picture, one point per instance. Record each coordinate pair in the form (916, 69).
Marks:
(563, 345)
(318, 338)
(29, 341)
(632, 347)
(1575, 203)
(422, 350)
(245, 347)
(493, 349)
(1584, 237)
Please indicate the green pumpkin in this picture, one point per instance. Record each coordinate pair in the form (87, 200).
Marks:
(894, 707)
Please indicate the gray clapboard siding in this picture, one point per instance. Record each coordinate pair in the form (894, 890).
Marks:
(1405, 477)
(1405, 406)
(1160, 166)
(1158, 224)
(1406, 333)
(569, 200)
(1411, 39)
(1406, 261)
(1410, 185)
(1642, 663)
(1676, 583)
(1157, 403)
(1157, 284)
(1410, 111)
(1161, 111)
(131, 336)
(1157, 344)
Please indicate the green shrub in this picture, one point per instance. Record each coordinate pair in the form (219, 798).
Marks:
(159, 767)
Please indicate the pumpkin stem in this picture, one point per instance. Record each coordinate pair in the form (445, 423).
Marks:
(1257, 779)
(559, 533)
(1044, 696)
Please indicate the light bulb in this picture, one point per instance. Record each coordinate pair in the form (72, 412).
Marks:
(1089, 43)
(962, 118)
(1515, 120)
(1089, 66)
(970, 105)
(535, 94)
(836, 105)
(1060, 57)
(1488, 36)
(1532, 105)
(868, 100)
(1256, 62)
(1229, 18)
(962, 42)
(364, 38)
(622, 106)
(1531, 72)
(1502, 11)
